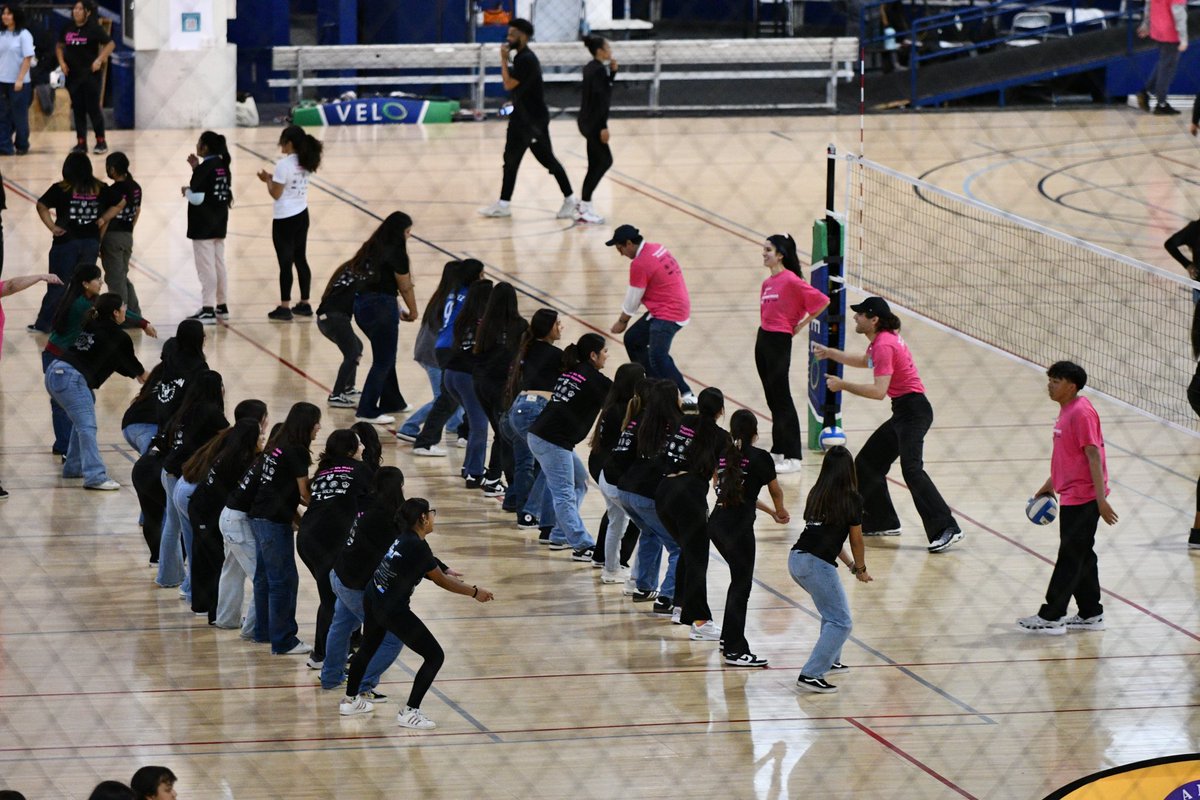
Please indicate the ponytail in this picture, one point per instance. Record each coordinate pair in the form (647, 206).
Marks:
(709, 439)
(84, 273)
(307, 147)
(107, 305)
(215, 144)
(582, 351)
(594, 44)
(743, 427)
(387, 488)
(541, 324)
(117, 164)
(785, 245)
(887, 323)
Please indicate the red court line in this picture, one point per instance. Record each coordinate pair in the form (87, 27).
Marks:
(909, 758)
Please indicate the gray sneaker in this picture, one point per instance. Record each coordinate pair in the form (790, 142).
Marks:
(943, 542)
(1078, 623)
(496, 209)
(1049, 627)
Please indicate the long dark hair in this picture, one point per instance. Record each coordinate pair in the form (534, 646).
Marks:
(372, 449)
(411, 511)
(340, 444)
(77, 174)
(117, 164)
(659, 417)
(306, 146)
(189, 339)
(786, 247)
(435, 309)
(147, 390)
(214, 145)
(1196, 331)
(386, 243)
(84, 273)
(237, 445)
(501, 324)
(833, 499)
(633, 409)
(619, 394)
(387, 488)
(251, 409)
(207, 388)
(296, 432)
(105, 308)
(709, 439)
(581, 352)
(469, 315)
(540, 326)
(743, 427)
(18, 15)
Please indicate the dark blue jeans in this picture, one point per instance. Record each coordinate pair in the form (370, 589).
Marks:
(14, 117)
(379, 318)
(648, 342)
(64, 258)
(276, 583)
(462, 386)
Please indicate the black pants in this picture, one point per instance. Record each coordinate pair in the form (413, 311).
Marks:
(682, 505)
(537, 141)
(773, 357)
(338, 329)
(629, 539)
(733, 534)
(408, 629)
(152, 498)
(85, 102)
(500, 460)
(319, 562)
(443, 409)
(1193, 396)
(903, 437)
(1076, 572)
(208, 554)
(290, 237)
(599, 157)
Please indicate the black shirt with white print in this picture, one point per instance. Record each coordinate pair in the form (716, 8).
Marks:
(578, 395)
(623, 454)
(190, 434)
(758, 469)
(335, 490)
(340, 298)
(826, 541)
(131, 192)
(404, 564)
(76, 211)
(241, 497)
(278, 494)
(100, 350)
(210, 219)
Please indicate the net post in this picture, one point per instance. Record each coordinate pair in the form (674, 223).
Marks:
(827, 275)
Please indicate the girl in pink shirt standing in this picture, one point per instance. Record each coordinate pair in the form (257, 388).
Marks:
(902, 436)
(788, 304)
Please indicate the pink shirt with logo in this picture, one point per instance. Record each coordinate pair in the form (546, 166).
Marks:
(656, 270)
(785, 300)
(889, 355)
(1077, 427)
(1162, 23)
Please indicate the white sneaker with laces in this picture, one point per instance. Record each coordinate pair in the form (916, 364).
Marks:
(382, 419)
(568, 208)
(1035, 624)
(787, 466)
(301, 649)
(108, 486)
(778, 459)
(1078, 623)
(689, 400)
(433, 451)
(676, 615)
(611, 577)
(310, 663)
(351, 706)
(460, 442)
(708, 632)
(496, 209)
(414, 718)
(588, 214)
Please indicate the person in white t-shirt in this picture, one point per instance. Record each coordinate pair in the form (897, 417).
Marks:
(288, 187)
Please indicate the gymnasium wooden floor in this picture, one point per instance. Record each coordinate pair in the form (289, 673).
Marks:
(562, 688)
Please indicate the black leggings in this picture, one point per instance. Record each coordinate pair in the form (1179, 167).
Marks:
(408, 629)
(290, 237)
(733, 534)
(773, 357)
(85, 102)
(599, 157)
(319, 563)
(147, 482)
(1193, 396)
(682, 505)
(208, 554)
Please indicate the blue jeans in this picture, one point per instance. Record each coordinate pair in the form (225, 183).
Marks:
(64, 258)
(520, 417)
(181, 497)
(170, 548)
(379, 318)
(820, 579)
(566, 483)
(139, 435)
(70, 390)
(412, 425)
(648, 342)
(653, 539)
(276, 584)
(348, 614)
(14, 117)
(462, 387)
(58, 418)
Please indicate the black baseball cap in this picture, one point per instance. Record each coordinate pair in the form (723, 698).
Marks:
(873, 307)
(623, 234)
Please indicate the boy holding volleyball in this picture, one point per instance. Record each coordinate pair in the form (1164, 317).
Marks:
(1079, 475)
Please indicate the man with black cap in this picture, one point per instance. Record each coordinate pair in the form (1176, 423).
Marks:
(902, 436)
(529, 123)
(656, 281)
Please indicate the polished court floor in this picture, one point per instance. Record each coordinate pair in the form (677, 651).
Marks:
(563, 688)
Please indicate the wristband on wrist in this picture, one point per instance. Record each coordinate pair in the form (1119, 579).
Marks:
(476, 592)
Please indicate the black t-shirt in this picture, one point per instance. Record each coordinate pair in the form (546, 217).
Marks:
(336, 490)
(596, 97)
(403, 565)
(102, 349)
(210, 219)
(541, 367)
(462, 356)
(278, 493)
(141, 410)
(211, 494)
(578, 395)
(623, 453)
(1188, 236)
(529, 100)
(129, 191)
(202, 423)
(645, 473)
(241, 497)
(75, 211)
(81, 46)
(340, 298)
(381, 277)
(826, 541)
(678, 455)
(608, 430)
(492, 365)
(371, 534)
(758, 469)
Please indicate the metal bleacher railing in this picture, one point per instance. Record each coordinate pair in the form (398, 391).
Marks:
(650, 62)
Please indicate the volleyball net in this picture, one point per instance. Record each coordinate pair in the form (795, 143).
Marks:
(1022, 288)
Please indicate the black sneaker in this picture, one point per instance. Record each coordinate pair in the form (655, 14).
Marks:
(818, 685)
(1194, 539)
(280, 314)
(559, 545)
(1165, 110)
(662, 606)
(1143, 100)
(101, 147)
(223, 311)
(302, 309)
(474, 481)
(644, 596)
(744, 660)
(492, 487)
(3, 494)
(544, 534)
(526, 522)
(205, 316)
(35, 329)
(81, 147)
(583, 554)
(837, 668)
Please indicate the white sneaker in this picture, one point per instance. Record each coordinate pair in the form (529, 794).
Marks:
(1035, 624)
(108, 486)
(568, 208)
(630, 587)
(888, 532)
(676, 615)
(778, 459)
(708, 632)
(1078, 623)
(588, 214)
(611, 577)
(432, 451)
(382, 419)
(414, 718)
(787, 466)
(460, 442)
(350, 706)
(689, 400)
(301, 649)
(310, 663)
(496, 209)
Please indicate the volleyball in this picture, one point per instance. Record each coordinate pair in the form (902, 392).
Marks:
(1042, 509)
(832, 437)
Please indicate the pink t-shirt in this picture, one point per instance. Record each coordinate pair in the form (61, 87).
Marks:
(1077, 427)
(786, 299)
(656, 270)
(1162, 24)
(888, 355)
